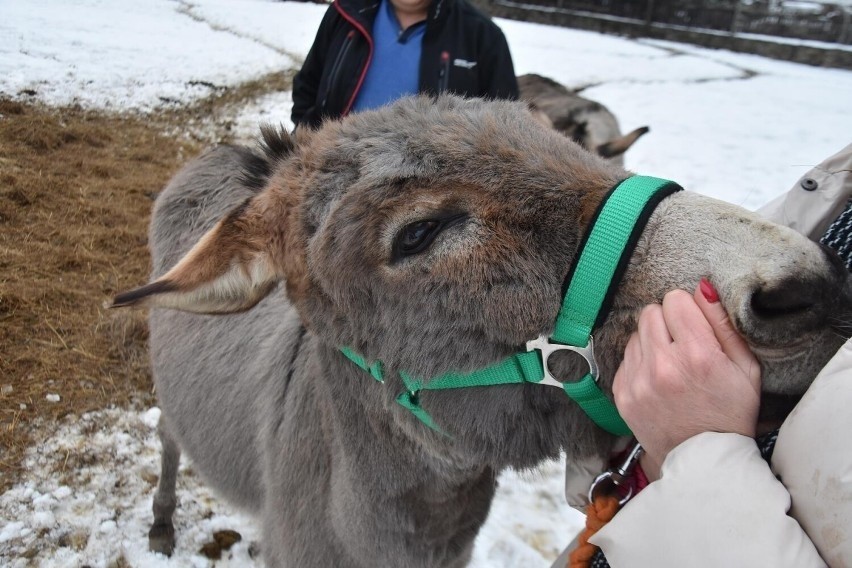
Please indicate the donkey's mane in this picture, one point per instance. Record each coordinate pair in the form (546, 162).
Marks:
(275, 144)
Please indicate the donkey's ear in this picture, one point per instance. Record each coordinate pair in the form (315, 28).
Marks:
(620, 145)
(229, 270)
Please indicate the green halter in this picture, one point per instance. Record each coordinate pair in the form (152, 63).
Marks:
(592, 281)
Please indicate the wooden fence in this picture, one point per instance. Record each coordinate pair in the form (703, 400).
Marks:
(820, 22)
(672, 20)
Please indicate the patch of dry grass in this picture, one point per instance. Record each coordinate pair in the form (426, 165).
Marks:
(76, 189)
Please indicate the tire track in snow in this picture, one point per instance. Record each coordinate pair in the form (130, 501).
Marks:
(744, 72)
(190, 10)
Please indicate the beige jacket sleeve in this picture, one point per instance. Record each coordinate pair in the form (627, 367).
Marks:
(719, 504)
(813, 459)
(817, 198)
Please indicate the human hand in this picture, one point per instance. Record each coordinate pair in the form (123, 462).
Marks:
(686, 371)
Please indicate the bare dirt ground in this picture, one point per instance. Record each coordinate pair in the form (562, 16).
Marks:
(76, 189)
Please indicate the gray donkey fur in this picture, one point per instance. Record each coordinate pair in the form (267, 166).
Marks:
(279, 422)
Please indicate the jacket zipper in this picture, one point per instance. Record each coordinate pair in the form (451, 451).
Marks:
(369, 39)
(335, 68)
(444, 73)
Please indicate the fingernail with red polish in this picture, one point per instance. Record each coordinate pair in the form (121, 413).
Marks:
(708, 291)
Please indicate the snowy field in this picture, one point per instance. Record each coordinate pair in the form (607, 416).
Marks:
(737, 127)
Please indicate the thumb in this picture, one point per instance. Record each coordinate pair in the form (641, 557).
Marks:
(733, 345)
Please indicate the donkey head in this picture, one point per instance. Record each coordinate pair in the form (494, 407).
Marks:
(435, 236)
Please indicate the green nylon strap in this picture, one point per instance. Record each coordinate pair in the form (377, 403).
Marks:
(592, 280)
(375, 369)
(619, 217)
(519, 368)
(589, 396)
(411, 401)
(600, 257)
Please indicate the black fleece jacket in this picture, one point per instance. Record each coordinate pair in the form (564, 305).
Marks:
(464, 52)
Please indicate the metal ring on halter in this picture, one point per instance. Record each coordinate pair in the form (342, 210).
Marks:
(610, 476)
(543, 344)
(617, 476)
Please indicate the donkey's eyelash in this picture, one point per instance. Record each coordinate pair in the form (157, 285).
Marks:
(418, 236)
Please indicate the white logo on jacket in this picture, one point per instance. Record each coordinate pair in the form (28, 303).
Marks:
(463, 63)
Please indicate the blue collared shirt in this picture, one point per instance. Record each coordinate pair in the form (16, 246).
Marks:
(394, 71)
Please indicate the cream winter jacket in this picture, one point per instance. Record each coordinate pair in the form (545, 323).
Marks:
(718, 503)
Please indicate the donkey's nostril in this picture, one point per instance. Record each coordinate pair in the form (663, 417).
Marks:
(790, 297)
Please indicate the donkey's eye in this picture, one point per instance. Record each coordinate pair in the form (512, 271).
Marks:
(416, 237)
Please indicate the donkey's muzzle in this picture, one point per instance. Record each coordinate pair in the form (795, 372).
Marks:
(792, 307)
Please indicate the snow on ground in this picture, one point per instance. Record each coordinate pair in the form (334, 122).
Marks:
(273, 108)
(87, 500)
(290, 28)
(738, 127)
(116, 55)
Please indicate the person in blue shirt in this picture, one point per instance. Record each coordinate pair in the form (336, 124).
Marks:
(367, 54)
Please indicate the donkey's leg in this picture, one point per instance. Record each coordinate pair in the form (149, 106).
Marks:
(161, 537)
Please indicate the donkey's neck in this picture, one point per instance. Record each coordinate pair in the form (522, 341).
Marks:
(378, 466)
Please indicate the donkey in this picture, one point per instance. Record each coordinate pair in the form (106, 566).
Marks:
(307, 283)
(584, 121)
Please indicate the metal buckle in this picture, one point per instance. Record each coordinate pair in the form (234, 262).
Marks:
(543, 344)
(617, 476)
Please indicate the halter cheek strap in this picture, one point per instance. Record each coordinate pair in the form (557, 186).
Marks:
(590, 287)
